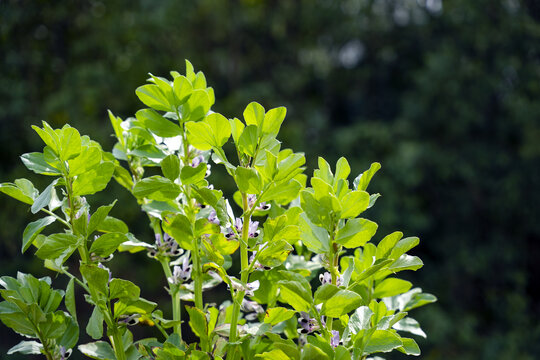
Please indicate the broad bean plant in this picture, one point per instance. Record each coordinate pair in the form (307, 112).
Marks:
(311, 282)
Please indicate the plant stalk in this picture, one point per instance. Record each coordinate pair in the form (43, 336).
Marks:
(244, 277)
(175, 297)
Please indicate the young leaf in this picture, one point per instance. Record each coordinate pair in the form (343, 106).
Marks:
(98, 350)
(248, 180)
(356, 232)
(196, 107)
(170, 166)
(58, 246)
(273, 120)
(354, 203)
(247, 143)
(391, 287)
(386, 245)
(70, 143)
(69, 299)
(190, 175)
(157, 123)
(156, 188)
(410, 347)
(254, 114)
(94, 180)
(342, 170)
(33, 229)
(123, 289)
(342, 302)
(276, 315)
(89, 157)
(36, 162)
(151, 96)
(26, 348)
(362, 181)
(360, 320)
(382, 341)
(182, 89)
(44, 198)
(95, 324)
(107, 243)
(16, 193)
(410, 325)
(98, 217)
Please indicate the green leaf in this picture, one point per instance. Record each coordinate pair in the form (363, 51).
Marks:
(70, 143)
(95, 324)
(342, 353)
(48, 135)
(290, 166)
(406, 262)
(196, 107)
(314, 237)
(190, 175)
(342, 170)
(324, 172)
(354, 203)
(97, 279)
(71, 336)
(98, 217)
(69, 299)
(139, 306)
(325, 292)
(247, 143)
(16, 193)
(33, 229)
(44, 198)
(157, 123)
(419, 300)
(89, 157)
(391, 287)
(275, 253)
(318, 213)
(294, 294)
(197, 322)
(273, 120)
(182, 89)
(170, 166)
(179, 228)
(362, 181)
(254, 114)
(410, 347)
(94, 180)
(27, 348)
(382, 341)
(156, 188)
(98, 350)
(360, 320)
(342, 302)
(36, 162)
(356, 232)
(58, 246)
(107, 243)
(16, 320)
(386, 245)
(311, 352)
(248, 180)
(111, 224)
(151, 96)
(275, 354)
(403, 246)
(282, 193)
(214, 131)
(410, 325)
(237, 127)
(276, 315)
(120, 288)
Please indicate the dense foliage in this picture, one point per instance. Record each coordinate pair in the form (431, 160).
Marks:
(357, 309)
(443, 93)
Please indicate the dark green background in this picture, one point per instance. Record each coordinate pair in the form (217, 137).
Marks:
(446, 95)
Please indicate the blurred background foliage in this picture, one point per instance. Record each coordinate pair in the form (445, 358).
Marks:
(445, 94)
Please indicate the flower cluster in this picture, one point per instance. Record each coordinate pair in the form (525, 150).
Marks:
(182, 273)
(166, 246)
(326, 278)
(238, 228)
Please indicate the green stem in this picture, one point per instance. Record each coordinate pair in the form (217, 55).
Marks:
(118, 344)
(197, 275)
(57, 217)
(175, 297)
(244, 277)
